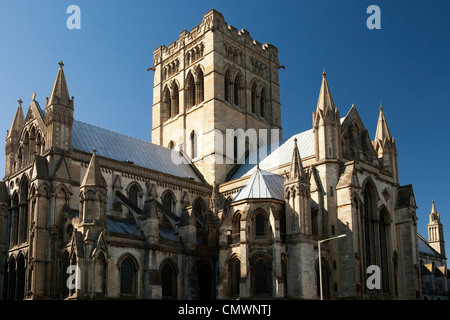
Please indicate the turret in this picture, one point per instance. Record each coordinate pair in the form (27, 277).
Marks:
(436, 231)
(327, 125)
(385, 146)
(12, 139)
(59, 115)
(93, 197)
(297, 195)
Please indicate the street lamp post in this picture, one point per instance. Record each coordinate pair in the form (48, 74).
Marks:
(320, 261)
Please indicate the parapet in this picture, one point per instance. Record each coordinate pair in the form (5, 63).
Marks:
(214, 21)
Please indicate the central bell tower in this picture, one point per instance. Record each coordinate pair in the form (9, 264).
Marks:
(210, 80)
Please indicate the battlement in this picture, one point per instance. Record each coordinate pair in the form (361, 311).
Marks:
(214, 21)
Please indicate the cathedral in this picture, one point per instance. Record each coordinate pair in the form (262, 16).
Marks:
(219, 205)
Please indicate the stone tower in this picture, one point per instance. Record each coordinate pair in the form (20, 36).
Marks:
(211, 79)
(59, 115)
(436, 231)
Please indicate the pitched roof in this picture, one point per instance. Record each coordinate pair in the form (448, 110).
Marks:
(425, 248)
(262, 185)
(278, 154)
(113, 145)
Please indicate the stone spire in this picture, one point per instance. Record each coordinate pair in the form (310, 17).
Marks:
(434, 215)
(93, 176)
(60, 92)
(383, 137)
(327, 125)
(17, 123)
(296, 169)
(325, 101)
(436, 231)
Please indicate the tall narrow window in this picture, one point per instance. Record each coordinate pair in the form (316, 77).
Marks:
(23, 212)
(133, 194)
(237, 90)
(254, 98)
(194, 145)
(236, 232)
(127, 277)
(383, 230)
(260, 277)
(200, 87)
(227, 85)
(166, 105)
(260, 225)
(190, 91)
(369, 208)
(262, 103)
(100, 274)
(169, 281)
(174, 101)
(14, 220)
(235, 276)
(167, 201)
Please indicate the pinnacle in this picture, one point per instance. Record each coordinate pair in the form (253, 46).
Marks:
(93, 176)
(60, 92)
(325, 99)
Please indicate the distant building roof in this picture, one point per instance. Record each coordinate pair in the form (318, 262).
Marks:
(425, 248)
(113, 145)
(262, 185)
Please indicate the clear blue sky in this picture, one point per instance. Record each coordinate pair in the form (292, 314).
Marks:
(404, 66)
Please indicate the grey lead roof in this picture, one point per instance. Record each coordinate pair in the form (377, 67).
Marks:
(113, 145)
(280, 156)
(262, 185)
(424, 247)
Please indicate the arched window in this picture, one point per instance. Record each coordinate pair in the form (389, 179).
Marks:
(236, 232)
(167, 201)
(260, 225)
(169, 281)
(127, 277)
(190, 91)
(384, 243)
(11, 279)
(254, 98)
(174, 101)
(23, 211)
(194, 145)
(14, 220)
(20, 290)
(237, 90)
(166, 105)
(227, 86)
(133, 195)
(262, 103)
(200, 87)
(199, 208)
(234, 276)
(370, 206)
(205, 282)
(100, 274)
(261, 277)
